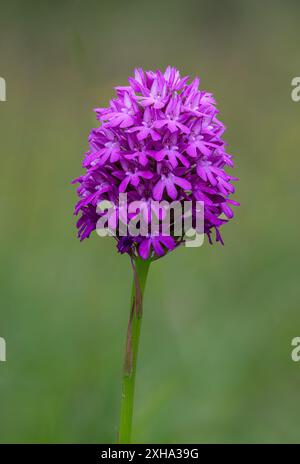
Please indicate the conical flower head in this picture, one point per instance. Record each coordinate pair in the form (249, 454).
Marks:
(159, 140)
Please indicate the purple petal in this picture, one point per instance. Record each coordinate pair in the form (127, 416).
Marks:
(158, 190)
(144, 248)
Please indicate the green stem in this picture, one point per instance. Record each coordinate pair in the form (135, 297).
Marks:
(140, 271)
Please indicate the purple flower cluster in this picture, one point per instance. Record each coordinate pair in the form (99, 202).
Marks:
(159, 139)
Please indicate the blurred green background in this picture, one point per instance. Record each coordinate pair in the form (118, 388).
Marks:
(215, 356)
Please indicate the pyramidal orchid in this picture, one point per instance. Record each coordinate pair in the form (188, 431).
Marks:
(159, 142)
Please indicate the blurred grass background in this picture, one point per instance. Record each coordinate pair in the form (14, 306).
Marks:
(214, 362)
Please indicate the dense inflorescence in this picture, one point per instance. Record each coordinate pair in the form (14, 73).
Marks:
(159, 139)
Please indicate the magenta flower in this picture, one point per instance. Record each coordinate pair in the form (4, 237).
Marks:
(157, 243)
(170, 118)
(169, 180)
(158, 142)
(162, 135)
(147, 127)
